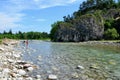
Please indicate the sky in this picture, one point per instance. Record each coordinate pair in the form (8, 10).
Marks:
(34, 15)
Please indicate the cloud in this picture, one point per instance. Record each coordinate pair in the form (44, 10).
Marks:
(11, 11)
(19, 5)
(52, 3)
(9, 21)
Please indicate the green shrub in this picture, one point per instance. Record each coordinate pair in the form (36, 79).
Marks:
(111, 34)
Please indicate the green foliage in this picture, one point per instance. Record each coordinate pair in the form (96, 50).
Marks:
(54, 29)
(89, 6)
(111, 34)
(27, 35)
(108, 24)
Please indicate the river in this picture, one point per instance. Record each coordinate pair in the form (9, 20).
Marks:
(99, 62)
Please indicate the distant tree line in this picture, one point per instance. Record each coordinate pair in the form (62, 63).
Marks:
(24, 35)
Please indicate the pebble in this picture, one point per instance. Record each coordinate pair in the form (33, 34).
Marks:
(38, 76)
(6, 70)
(16, 55)
(75, 75)
(80, 67)
(1, 49)
(94, 66)
(29, 78)
(39, 58)
(11, 61)
(52, 77)
(30, 68)
(21, 72)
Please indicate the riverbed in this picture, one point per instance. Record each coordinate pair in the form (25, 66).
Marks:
(73, 61)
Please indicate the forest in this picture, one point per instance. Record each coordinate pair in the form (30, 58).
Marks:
(95, 20)
(24, 35)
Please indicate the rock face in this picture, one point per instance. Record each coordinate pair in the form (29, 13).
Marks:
(89, 27)
(84, 28)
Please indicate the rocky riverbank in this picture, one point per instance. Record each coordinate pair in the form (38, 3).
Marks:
(12, 67)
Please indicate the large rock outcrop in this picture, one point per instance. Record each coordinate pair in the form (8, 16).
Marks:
(84, 28)
(90, 27)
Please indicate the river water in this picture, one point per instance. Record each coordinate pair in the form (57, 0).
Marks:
(100, 62)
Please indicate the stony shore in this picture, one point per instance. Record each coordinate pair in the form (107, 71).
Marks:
(12, 67)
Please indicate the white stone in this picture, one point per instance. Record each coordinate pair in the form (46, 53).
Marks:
(39, 58)
(30, 68)
(20, 78)
(21, 72)
(16, 55)
(5, 63)
(14, 69)
(27, 65)
(52, 77)
(29, 78)
(80, 67)
(6, 70)
(2, 49)
(38, 76)
(10, 60)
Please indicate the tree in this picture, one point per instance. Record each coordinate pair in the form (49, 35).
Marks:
(4, 32)
(111, 34)
(108, 24)
(54, 29)
(10, 32)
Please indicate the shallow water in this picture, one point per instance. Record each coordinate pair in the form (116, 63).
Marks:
(100, 62)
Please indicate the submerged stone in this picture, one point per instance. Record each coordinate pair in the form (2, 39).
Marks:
(80, 67)
(29, 78)
(38, 76)
(94, 66)
(30, 68)
(52, 77)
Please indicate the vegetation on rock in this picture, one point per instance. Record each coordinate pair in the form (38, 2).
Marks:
(95, 20)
